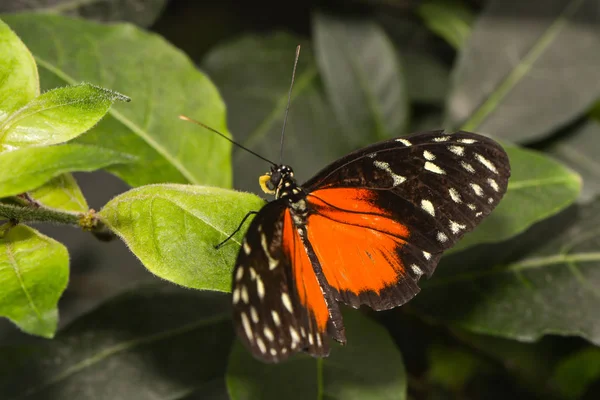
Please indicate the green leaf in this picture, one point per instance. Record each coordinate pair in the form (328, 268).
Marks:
(62, 193)
(57, 116)
(173, 229)
(576, 373)
(30, 167)
(579, 150)
(450, 19)
(19, 82)
(520, 80)
(256, 96)
(539, 187)
(369, 366)
(452, 367)
(142, 13)
(543, 282)
(34, 271)
(157, 341)
(162, 83)
(363, 77)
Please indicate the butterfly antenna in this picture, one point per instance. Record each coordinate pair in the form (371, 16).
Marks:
(183, 117)
(287, 108)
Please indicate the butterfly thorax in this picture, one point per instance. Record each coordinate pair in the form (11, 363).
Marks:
(280, 182)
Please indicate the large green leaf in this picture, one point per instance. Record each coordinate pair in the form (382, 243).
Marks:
(451, 19)
(369, 366)
(34, 271)
(543, 282)
(253, 73)
(173, 229)
(142, 13)
(576, 373)
(61, 193)
(57, 116)
(155, 342)
(162, 83)
(522, 77)
(363, 77)
(28, 168)
(538, 188)
(19, 81)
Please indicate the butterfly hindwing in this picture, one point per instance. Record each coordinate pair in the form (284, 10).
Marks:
(382, 216)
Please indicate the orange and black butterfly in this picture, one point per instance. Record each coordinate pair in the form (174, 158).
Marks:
(362, 231)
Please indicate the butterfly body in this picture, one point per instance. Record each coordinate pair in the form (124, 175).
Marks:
(361, 232)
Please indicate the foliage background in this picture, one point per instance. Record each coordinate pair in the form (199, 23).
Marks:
(516, 319)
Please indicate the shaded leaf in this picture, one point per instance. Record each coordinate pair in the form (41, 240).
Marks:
(538, 188)
(173, 229)
(34, 271)
(162, 83)
(579, 150)
(543, 282)
(256, 97)
(30, 167)
(363, 77)
(57, 116)
(576, 373)
(142, 13)
(61, 193)
(19, 81)
(369, 366)
(450, 19)
(453, 367)
(157, 341)
(527, 69)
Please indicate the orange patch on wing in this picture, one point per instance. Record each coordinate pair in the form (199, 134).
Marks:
(355, 242)
(307, 285)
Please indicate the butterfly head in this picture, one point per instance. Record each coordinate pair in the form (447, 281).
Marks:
(279, 181)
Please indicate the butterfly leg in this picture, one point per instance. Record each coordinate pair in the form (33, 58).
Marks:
(217, 247)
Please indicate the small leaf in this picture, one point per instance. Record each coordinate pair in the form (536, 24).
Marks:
(363, 77)
(142, 13)
(369, 366)
(576, 373)
(256, 97)
(162, 83)
(61, 193)
(19, 82)
(173, 229)
(30, 167)
(538, 188)
(521, 79)
(545, 281)
(450, 19)
(57, 116)
(579, 150)
(34, 271)
(155, 342)
(452, 367)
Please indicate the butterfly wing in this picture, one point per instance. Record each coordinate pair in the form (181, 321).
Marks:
(382, 216)
(279, 306)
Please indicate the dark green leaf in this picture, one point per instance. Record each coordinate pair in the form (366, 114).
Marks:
(57, 116)
(151, 343)
(142, 13)
(453, 367)
(173, 229)
(544, 282)
(451, 19)
(527, 69)
(369, 366)
(363, 77)
(34, 271)
(30, 167)
(19, 81)
(253, 73)
(61, 193)
(162, 83)
(576, 373)
(538, 188)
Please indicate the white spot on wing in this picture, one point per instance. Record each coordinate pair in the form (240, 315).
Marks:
(371, 155)
(493, 184)
(246, 325)
(247, 248)
(260, 287)
(418, 271)
(269, 334)
(428, 207)
(478, 214)
(488, 164)
(427, 255)
(239, 273)
(252, 273)
(294, 334)
(477, 189)
(454, 195)
(458, 150)
(285, 299)
(428, 155)
(311, 341)
(455, 227)
(253, 314)
(441, 237)
(490, 200)
(467, 166)
(472, 206)
(236, 295)
(429, 166)
(245, 297)
(404, 142)
(276, 319)
(441, 139)
(261, 345)
(467, 141)
(273, 351)
(263, 242)
(386, 167)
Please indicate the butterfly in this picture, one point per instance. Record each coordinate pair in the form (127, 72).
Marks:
(362, 231)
